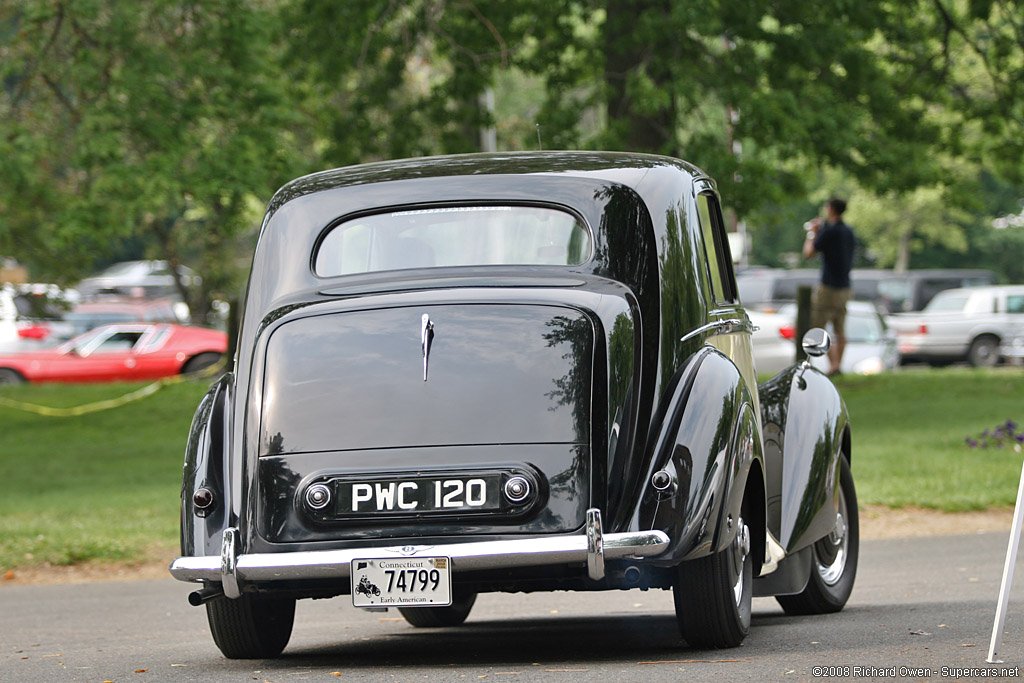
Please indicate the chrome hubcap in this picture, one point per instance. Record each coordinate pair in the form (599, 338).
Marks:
(832, 550)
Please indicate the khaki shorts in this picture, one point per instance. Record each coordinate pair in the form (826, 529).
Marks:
(828, 305)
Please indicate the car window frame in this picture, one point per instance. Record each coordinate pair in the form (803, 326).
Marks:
(104, 334)
(378, 211)
(716, 247)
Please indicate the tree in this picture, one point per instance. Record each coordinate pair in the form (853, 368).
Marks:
(161, 119)
(794, 86)
(394, 79)
(175, 121)
(974, 61)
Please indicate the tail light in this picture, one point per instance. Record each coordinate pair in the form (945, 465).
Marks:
(33, 331)
(787, 332)
(923, 329)
(203, 500)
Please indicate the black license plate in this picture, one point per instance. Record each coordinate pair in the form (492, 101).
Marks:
(416, 495)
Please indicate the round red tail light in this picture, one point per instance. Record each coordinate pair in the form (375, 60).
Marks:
(203, 499)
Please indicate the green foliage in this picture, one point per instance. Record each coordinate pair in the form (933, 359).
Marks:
(126, 118)
(173, 123)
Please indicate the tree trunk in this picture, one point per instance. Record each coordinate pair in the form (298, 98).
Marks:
(903, 252)
(650, 128)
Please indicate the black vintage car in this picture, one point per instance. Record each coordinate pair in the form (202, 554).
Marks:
(514, 372)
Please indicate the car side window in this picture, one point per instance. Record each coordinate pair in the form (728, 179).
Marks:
(716, 246)
(118, 342)
(155, 340)
(1015, 303)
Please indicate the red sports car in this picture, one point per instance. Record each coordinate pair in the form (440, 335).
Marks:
(121, 352)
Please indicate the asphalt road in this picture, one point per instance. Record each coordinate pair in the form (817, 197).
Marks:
(921, 603)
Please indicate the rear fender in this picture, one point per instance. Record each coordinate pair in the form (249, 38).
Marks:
(808, 425)
(206, 466)
(708, 445)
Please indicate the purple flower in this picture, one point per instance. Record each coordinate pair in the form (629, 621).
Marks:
(997, 436)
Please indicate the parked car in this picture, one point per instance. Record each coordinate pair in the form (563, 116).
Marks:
(515, 372)
(151, 279)
(912, 290)
(762, 288)
(28, 310)
(893, 291)
(870, 344)
(89, 315)
(124, 352)
(1012, 348)
(962, 324)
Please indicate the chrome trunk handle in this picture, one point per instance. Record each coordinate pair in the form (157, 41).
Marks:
(426, 336)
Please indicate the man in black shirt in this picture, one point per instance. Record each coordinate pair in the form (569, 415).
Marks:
(834, 240)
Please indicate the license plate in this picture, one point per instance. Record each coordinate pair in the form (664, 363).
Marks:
(402, 582)
(416, 495)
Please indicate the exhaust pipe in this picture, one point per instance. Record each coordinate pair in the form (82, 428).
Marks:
(630, 576)
(205, 595)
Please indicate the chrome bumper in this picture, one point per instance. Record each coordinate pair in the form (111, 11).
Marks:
(233, 570)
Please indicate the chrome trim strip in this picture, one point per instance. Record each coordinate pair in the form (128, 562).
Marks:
(595, 545)
(720, 327)
(334, 564)
(229, 564)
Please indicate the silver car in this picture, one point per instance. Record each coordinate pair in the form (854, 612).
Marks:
(870, 345)
(963, 324)
(151, 279)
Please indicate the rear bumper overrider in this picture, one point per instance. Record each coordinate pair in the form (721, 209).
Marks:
(233, 570)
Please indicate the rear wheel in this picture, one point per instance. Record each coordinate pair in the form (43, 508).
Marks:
(200, 362)
(251, 627)
(437, 617)
(8, 376)
(834, 566)
(712, 595)
(984, 352)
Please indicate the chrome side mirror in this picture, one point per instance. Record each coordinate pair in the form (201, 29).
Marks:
(816, 342)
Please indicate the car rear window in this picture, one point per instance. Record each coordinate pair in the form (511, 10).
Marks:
(454, 236)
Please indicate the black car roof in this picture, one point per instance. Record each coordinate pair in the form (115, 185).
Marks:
(629, 169)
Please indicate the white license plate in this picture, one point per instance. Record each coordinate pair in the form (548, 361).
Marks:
(402, 582)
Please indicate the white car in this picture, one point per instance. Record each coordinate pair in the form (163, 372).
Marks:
(26, 308)
(969, 324)
(870, 345)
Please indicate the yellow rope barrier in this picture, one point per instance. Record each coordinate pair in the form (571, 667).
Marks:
(110, 403)
(148, 390)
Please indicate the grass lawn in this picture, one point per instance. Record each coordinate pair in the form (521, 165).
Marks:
(909, 430)
(105, 486)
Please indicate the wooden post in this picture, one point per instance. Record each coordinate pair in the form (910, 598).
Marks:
(803, 319)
